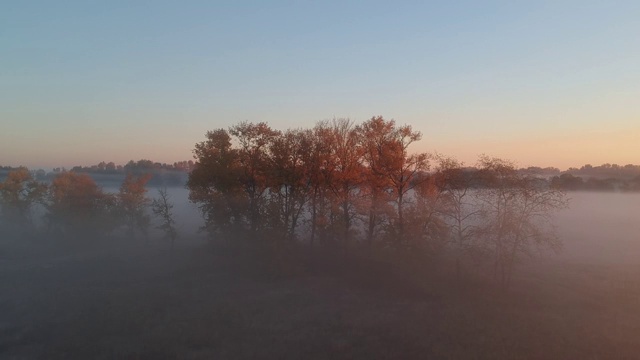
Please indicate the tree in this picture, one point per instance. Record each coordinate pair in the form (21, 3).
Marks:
(215, 187)
(319, 173)
(455, 184)
(289, 184)
(76, 205)
(19, 193)
(253, 157)
(343, 171)
(516, 214)
(425, 228)
(162, 209)
(133, 203)
(377, 136)
(403, 171)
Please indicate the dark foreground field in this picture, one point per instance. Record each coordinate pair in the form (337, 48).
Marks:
(203, 302)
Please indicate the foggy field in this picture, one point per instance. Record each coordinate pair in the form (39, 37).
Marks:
(134, 300)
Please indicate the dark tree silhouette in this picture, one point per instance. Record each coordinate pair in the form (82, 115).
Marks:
(162, 209)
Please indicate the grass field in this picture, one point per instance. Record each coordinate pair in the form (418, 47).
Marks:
(131, 301)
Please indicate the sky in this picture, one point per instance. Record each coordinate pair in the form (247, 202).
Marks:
(542, 83)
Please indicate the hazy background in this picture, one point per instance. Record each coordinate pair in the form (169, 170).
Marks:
(547, 83)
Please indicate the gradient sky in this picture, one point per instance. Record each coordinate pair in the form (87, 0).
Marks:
(546, 83)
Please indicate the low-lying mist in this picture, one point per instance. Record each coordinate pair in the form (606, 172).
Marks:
(142, 299)
(601, 227)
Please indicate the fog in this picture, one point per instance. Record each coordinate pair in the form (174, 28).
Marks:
(597, 227)
(187, 215)
(601, 228)
(143, 299)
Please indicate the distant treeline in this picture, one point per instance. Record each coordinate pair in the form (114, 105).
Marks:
(606, 177)
(112, 175)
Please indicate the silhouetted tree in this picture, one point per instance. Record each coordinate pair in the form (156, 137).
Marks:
(319, 174)
(253, 156)
(215, 187)
(162, 209)
(460, 211)
(516, 214)
(289, 183)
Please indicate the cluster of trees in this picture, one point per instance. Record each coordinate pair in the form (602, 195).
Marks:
(357, 187)
(339, 186)
(72, 205)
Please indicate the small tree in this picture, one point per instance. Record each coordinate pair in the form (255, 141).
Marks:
(461, 213)
(77, 206)
(516, 214)
(162, 209)
(19, 193)
(133, 203)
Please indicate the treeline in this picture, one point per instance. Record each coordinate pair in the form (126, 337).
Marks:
(570, 182)
(140, 166)
(622, 172)
(73, 207)
(357, 188)
(110, 174)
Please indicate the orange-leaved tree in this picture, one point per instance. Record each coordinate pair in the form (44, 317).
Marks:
(77, 206)
(19, 193)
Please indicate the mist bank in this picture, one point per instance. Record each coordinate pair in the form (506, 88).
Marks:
(600, 228)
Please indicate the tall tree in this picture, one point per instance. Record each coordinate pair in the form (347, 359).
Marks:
(403, 170)
(253, 160)
(344, 170)
(318, 171)
(289, 183)
(215, 187)
(377, 136)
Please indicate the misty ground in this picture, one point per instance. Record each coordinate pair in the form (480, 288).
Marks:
(147, 302)
(134, 300)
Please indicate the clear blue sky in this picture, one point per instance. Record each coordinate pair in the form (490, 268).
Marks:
(539, 82)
